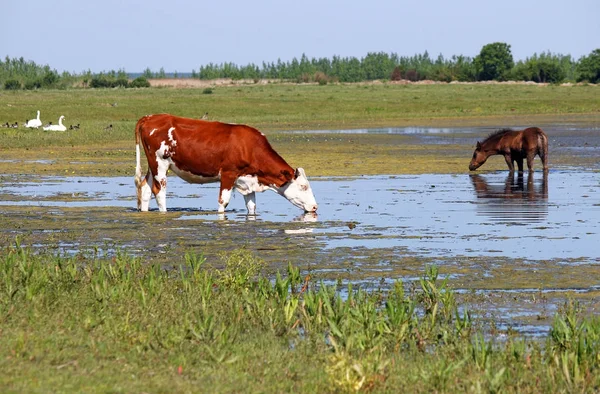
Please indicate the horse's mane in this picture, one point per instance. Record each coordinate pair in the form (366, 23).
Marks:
(496, 134)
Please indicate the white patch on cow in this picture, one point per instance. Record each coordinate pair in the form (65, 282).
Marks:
(161, 176)
(247, 184)
(152, 132)
(146, 193)
(250, 200)
(164, 148)
(171, 139)
(224, 200)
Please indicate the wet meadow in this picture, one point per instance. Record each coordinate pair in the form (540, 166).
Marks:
(415, 274)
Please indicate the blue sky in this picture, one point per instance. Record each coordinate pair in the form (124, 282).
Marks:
(77, 35)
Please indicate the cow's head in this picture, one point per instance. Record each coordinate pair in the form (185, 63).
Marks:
(299, 192)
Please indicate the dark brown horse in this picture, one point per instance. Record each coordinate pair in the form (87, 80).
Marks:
(514, 145)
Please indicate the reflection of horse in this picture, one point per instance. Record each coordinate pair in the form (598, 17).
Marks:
(514, 199)
(514, 146)
(511, 188)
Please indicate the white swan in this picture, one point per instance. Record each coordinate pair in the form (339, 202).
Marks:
(57, 127)
(34, 123)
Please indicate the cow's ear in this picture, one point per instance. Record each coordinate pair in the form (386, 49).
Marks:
(299, 173)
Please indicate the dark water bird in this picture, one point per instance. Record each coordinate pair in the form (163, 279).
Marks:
(205, 116)
(74, 127)
(15, 126)
(48, 124)
(108, 128)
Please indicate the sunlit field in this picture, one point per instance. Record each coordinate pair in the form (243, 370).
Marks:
(104, 142)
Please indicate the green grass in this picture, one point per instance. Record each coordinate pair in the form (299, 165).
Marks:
(277, 107)
(283, 107)
(91, 324)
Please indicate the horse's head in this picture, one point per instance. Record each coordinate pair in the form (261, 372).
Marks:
(479, 157)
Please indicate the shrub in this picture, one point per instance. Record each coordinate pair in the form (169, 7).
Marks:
(100, 81)
(207, 91)
(49, 79)
(122, 82)
(33, 84)
(396, 74)
(12, 84)
(321, 78)
(140, 82)
(412, 75)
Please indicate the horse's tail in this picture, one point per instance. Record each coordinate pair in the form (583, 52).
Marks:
(542, 142)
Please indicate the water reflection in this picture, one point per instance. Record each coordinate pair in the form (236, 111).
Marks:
(515, 200)
(307, 217)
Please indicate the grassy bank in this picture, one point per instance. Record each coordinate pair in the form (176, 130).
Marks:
(87, 324)
(273, 108)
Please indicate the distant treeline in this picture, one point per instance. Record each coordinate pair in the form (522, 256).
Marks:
(494, 62)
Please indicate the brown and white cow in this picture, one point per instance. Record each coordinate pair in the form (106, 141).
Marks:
(200, 151)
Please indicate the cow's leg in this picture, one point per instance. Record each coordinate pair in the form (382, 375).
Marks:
(509, 161)
(225, 191)
(250, 200)
(159, 186)
(145, 193)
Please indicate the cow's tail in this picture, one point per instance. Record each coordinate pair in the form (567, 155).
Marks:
(139, 179)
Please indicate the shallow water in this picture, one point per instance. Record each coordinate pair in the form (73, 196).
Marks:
(514, 247)
(530, 217)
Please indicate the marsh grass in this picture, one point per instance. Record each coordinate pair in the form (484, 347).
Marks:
(83, 323)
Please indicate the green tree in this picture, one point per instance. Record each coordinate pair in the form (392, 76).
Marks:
(494, 62)
(588, 67)
(545, 67)
(148, 74)
(377, 66)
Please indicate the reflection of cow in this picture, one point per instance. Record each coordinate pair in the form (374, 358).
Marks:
(200, 151)
(514, 199)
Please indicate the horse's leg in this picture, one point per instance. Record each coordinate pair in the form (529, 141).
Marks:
(543, 150)
(520, 163)
(530, 157)
(544, 157)
(509, 161)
